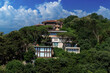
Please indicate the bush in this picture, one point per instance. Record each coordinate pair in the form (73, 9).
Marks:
(14, 66)
(2, 69)
(29, 68)
(100, 71)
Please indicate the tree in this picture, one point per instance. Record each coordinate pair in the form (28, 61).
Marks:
(14, 66)
(29, 68)
(100, 71)
(1, 33)
(30, 54)
(67, 37)
(16, 43)
(2, 69)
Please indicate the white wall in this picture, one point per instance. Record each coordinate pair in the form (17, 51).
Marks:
(59, 41)
(56, 40)
(60, 45)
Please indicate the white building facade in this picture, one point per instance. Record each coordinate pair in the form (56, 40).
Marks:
(56, 41)
(59, 42)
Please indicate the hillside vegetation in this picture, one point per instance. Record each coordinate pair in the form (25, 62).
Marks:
(91, 33)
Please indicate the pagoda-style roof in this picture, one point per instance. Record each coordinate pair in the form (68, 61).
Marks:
(43, 46)
(49, 21)
(57, 31)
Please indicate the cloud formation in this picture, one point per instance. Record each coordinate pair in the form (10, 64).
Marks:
(53, 10)
(17, 18)
(104, 11)
(11, 18)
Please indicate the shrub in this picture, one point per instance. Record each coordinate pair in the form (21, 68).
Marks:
(14, 66)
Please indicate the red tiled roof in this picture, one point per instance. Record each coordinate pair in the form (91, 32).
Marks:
(50, 21)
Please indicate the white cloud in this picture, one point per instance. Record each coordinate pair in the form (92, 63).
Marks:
(104, 11)
(59, 1)
(17, 18)
(53, 10)
(81, 13)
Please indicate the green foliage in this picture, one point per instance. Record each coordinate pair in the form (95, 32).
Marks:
(91, 61)
(30, 54)
(96, 16)
(85, 44)
(29, 68)
(100, 71)
(50, 65)
(1, 33)
(59, 52)
(2, 69)
(14, 66)
(68, 20)
(16, 44)
(93, 28)
(67, 34)
(33, 33)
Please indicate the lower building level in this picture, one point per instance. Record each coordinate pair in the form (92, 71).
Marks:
(72, 49)
(44, 51)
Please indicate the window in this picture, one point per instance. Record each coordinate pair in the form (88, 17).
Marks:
(55, 39)
(72, 50)
(43, 51)
(36, 53)
(53, 33)
(48, 49)
(68, 45)
(48, 54)
(42, 54)
(55, 44)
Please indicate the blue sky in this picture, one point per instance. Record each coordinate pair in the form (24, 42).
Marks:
(15, 14)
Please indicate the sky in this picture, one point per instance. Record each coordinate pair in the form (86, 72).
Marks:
(15, 14)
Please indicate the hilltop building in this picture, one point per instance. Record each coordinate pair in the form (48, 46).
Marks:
(56, 41)
(54, 23)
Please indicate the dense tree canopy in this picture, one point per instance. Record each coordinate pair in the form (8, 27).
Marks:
(16, 44)
(90, 30)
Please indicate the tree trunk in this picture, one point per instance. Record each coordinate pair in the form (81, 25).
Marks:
(97, 36)
(98, 39)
